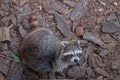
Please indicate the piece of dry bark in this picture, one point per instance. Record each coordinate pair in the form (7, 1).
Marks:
(63, 28)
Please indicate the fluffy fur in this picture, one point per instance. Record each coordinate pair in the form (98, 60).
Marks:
(43, 52)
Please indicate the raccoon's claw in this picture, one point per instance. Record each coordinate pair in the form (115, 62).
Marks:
(78, 64)
(60, 70)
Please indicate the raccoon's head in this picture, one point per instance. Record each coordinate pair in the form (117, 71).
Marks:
(72, 52)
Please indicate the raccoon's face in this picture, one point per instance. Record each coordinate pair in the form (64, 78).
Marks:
(73, 56)
(72, 53)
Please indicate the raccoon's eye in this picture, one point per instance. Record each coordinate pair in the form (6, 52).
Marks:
(68, 56)
(79, 54)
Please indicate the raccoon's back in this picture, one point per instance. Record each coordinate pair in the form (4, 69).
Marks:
(39, 49)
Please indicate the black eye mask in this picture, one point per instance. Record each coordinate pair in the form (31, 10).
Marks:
(69, 56)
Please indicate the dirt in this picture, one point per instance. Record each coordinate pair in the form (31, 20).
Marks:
(95, 22)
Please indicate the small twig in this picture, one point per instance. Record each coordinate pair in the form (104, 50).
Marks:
(10, 26)
(115, 37)
(23, 2)
(1, 55)
(101, 2)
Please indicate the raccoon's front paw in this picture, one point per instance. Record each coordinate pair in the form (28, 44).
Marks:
(51, 75)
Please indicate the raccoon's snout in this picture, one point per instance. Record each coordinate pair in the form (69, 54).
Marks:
(76, 60)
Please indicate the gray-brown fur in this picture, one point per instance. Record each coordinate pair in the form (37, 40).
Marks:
(39, 49)
(43, 52)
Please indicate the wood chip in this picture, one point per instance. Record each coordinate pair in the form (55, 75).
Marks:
(2, 77)
(4, 34)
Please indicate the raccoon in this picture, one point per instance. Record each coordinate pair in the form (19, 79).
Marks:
(43, 52)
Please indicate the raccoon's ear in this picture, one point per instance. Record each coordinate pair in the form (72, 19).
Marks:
(64, 43)
(78, 42)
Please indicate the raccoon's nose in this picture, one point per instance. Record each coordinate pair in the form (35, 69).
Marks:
(76, 60)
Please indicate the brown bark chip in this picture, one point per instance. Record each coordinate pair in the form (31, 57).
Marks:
(2, 77)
